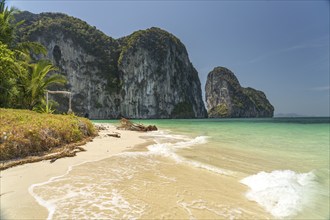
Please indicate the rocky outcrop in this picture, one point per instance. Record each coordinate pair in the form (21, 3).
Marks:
(226, 98)
(159, 80)
(144, 75)
(86, 56)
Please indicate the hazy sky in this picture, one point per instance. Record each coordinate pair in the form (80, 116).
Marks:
(279, 47)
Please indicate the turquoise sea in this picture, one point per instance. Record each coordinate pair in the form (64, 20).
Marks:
(274, 168)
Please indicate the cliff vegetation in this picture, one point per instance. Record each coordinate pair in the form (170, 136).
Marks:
(153, 39)
(143, 75)
(94, 42)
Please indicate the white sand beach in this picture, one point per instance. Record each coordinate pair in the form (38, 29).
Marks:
(18, 203)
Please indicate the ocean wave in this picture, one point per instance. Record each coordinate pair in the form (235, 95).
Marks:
(283, 193)
(223, 211)
(49, 205)
(167, 145)
(211, 168)
(79, 197)
(116, 204)
(169, 150)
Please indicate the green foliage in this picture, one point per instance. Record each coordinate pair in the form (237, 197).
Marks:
(8, 67)
(27, 47)
(219, 111)
(227, 75)
(22, 82)
(93, 41)
(25, 133)
(259, 99)
(154, 39)
(238, 101)
(183, 110)
(44, 108)
(6, 26)
(33, 85)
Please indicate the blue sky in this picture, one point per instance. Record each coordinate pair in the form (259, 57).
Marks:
(279, 47)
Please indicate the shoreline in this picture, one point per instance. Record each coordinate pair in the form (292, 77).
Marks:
(16, 200)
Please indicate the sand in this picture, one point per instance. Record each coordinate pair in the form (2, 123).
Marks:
(18, 203)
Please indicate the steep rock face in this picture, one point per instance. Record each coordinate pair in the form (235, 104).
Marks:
(158, 79)
(226, 98)
(145, 75)
(84, 55)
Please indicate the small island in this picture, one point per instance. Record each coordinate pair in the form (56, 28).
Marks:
(226, 98)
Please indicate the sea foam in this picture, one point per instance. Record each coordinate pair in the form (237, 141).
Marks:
(283, 193)
(169, 150)
(49, 205)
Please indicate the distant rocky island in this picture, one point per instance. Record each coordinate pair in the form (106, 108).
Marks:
(147, 74)
(225, 97)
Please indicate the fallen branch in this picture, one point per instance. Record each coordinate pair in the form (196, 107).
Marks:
(115, 134)
(126, 124)
(69, 150)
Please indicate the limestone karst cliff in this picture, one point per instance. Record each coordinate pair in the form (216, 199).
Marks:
(159, 80)
(144, 75)
(226, 98)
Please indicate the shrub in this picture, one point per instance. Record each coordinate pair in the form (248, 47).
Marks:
(26, 133)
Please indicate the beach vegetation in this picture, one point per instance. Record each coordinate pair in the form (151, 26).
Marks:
(8, 68)
(23, 80)
(34, 83)
(25, 133)
(46, 108)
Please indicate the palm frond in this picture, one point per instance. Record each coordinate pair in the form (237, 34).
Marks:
(34, 47)
(55, 79)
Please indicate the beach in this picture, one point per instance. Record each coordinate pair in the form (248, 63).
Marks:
(188, 169)
(18, 203)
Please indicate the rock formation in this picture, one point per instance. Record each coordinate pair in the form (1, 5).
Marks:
(144, 75)
(159, 80)
(226, 98)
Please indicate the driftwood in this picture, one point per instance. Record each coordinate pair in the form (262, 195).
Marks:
(69, 150)
(115, 134)
(100, 127)
(126, 124)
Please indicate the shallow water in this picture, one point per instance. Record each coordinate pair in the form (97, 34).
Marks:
(212, 168)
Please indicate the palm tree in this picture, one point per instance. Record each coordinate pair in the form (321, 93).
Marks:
(9, 65)
(7, 34)
(8, 70)
(26, 79)
(6, 27)
(33, 85)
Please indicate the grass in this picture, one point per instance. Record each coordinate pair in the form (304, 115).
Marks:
(25, 133)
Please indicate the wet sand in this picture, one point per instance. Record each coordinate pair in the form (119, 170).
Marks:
(18, 203)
